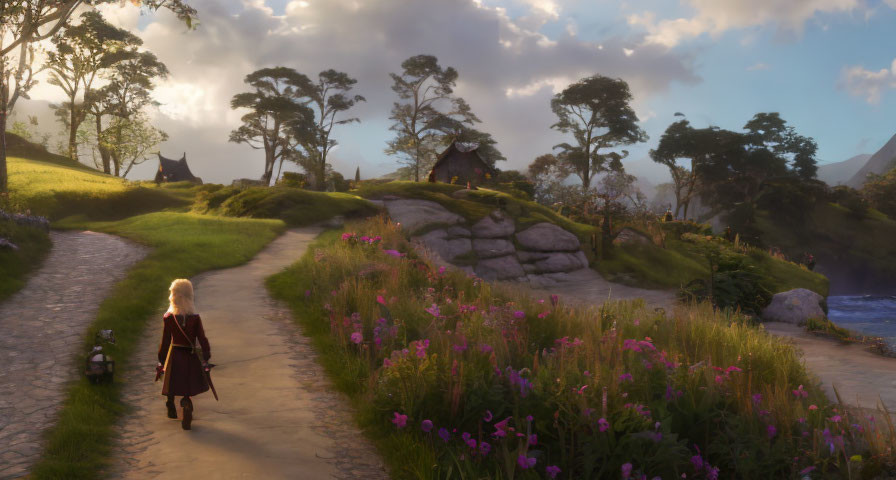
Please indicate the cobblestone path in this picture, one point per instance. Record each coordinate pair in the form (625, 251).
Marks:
(278, 415)
(42, 328)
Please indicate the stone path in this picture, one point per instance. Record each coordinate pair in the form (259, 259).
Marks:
(42, 329)
(278, 416)
(587, 287)
(859, 375)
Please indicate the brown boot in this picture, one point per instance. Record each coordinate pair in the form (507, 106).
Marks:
(187, 404)
(172, 412)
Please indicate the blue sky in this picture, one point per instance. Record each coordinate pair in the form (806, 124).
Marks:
(826, 65)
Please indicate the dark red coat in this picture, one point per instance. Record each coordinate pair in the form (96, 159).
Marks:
(183, 371)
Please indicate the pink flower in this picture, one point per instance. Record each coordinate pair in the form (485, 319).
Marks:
(488, 416)
(421, 346)
(543, 314)
(626, 470)
(603, 424)
(387, 363)
(835, 419)
(501, 428)
(380, 300)
(813, 407)
(394, 253)
(525, 462)
(533, 439)
(442, 270)
(484, 448)
(799, 392)
(555, 300)
(519, 314)
(433, 310)
(426, 425)
(357, 338)
(772, 431)
(552, 471)
(626, 377)
(400, 420)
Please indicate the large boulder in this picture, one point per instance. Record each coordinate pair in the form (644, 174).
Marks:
(437, 243)
(492, 247)
(547, 237)
(562, 262)
(795, 306)
(500, 268)
(458, 232)
(530, 257)
(495, 225)
(415, 215)
(629, 236)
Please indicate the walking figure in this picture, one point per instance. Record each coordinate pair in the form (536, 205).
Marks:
(183, 364)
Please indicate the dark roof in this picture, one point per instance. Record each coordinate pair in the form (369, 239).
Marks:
(462, 148)
(175, 170)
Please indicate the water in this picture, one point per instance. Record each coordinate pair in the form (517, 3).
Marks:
(873, 315)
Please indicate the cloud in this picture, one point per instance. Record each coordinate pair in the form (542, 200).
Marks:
(508, 70)
(715, 17)
(868, 84)
(759, 66)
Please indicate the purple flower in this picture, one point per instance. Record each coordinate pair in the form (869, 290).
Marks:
(485, 348)
(697, 462)
(525, 462)
(772, 431)
(603, 424)
(626, 470)
(836, 418)
(501, 428)
(626, 377)
(533, 439)
(444, 435)
(488, 416)
(555, 300)
(400, 420)
(484, 448)
(357, 338)
(421, 346)
(433, 310)
(394, 253)
(552, 471)
(426, 425)
(757, 398)
(519, 314)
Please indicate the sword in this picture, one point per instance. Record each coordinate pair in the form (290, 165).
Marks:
(206, 371)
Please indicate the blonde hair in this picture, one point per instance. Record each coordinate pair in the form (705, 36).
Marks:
(181, 297)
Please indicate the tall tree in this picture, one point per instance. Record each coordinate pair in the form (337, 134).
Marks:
(81, 52)
(23, 23)
(329, 98)
(596, 111)
(425, 89)
(129, 92)
(771, 132)
(279, 118)
(681, 142)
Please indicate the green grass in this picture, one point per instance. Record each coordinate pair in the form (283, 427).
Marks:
(15, 265)
(56, 191)
(182, 245)
(294, 206)
(340, 288)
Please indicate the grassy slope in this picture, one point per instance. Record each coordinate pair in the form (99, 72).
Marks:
(56, 191)
(182, 245)
(641, 265)
(33, 243)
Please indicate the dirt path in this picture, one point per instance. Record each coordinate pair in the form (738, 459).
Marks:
(859, 375)
(587, 287)
(42, 329)
(278, 416)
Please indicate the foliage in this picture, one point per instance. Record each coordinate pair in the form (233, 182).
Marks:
(182, 245)
(425, 89)
(850, 199)
(880, 191)
(681, 141)
(32, 245)
(596, 111)
(438, 363)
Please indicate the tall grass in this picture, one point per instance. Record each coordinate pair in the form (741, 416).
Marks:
(455, 379)
(183, 245)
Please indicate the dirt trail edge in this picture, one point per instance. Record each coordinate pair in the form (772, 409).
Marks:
(278, 416)
(42, 327)
(859, 375)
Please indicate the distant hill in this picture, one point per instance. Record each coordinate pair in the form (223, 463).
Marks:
(881, 162)
(841, 172)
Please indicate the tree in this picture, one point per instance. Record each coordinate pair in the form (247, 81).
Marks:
(486, 144)
(358, 175)
(23, 23)
(681, 141)
(81, 53)
(329, 97)
(548, 175)
(129, 140)
(426, 87)
(596, 111)
(128, 93)
(279, 119)
(880, 191)
(770, 132)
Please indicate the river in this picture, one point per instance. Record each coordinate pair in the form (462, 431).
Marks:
(873, 315)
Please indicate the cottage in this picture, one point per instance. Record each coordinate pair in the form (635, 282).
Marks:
(175, 170)
(461, 163)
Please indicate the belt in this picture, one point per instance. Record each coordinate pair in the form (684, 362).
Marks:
(185, 347)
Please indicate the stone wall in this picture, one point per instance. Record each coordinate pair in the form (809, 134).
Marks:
(492, 248)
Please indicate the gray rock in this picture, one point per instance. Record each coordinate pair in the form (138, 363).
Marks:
(562, 262)
(414, 215)
(459, 232)
(529, 268)
(795, 306)
(436, 243)
(492, 247)
(547, 237)
(496, 225)
(541, 280)
(531, 257)
(500, 268)
(629, 236)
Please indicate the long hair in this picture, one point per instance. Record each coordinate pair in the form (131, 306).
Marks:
(181, 297)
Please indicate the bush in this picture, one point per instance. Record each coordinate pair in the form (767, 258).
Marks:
(850, 199)
(458, 379)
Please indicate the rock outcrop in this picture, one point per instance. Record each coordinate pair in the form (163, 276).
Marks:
(629, 236)
(492, 248)
(795, 306)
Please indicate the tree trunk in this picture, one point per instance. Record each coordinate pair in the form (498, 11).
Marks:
(104, 152)
(3, 175)
(73, 133)
(269, 162)
(117, 162)
(686, 205)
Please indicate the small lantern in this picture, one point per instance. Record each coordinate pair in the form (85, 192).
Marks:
(99, 367)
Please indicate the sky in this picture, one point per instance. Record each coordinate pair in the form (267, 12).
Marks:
(828, 66)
